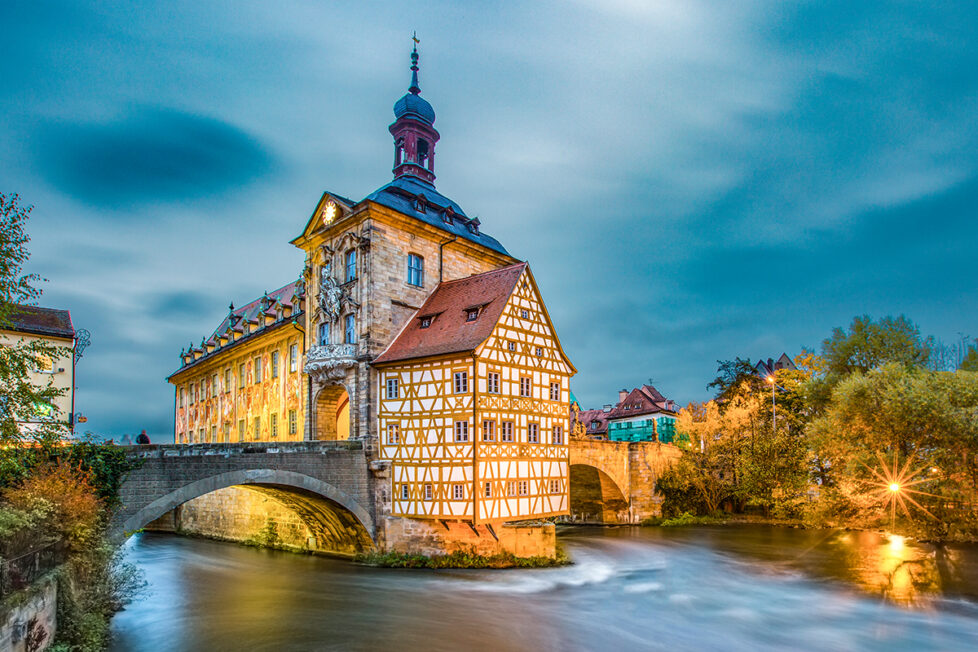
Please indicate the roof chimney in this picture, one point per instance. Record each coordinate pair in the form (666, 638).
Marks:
(622, 394)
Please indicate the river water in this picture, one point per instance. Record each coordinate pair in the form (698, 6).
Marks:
(729, 588)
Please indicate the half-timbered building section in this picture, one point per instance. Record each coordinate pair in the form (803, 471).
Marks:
(244, 382)
(473, 404)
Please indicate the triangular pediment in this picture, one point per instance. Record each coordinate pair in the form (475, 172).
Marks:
(330, 209)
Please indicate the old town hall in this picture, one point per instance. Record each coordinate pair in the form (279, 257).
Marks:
(410, 329)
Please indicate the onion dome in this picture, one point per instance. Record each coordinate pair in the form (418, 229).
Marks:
(412, 105)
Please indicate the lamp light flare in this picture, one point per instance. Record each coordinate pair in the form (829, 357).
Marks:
(894, 486)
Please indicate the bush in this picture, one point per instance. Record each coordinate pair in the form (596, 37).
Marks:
(461, 559)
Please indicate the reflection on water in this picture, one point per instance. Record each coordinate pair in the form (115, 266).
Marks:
(728, 588)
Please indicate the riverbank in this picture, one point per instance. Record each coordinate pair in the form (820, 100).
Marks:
(459, 559)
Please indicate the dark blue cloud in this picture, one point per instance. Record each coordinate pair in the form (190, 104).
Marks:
(149, 156)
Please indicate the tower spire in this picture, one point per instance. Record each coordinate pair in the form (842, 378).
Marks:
(415, 88)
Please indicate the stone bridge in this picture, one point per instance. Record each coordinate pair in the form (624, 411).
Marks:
(614, 482)
(327, 483)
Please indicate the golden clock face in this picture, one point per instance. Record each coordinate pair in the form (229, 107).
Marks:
(329, 213)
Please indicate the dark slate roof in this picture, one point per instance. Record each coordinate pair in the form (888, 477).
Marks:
(587, 417)
(414, 106)
(40, 321)
(402, 194)
(449, 331)
(287, 295)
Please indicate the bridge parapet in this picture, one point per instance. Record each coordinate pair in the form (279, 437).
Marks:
(241, 448)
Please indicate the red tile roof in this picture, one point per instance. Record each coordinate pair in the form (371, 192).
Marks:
(40, 321)
(642, 400)
(449, 331)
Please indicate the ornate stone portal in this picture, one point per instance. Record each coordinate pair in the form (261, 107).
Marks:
(329, 362)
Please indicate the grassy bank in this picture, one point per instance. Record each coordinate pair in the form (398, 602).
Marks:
(460, 559)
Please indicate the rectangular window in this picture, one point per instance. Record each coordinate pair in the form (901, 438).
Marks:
(525, 387)
(214, 390)
(425, 322)
(506, 428)
(227, 432)
(213, 434)
(539, 351)
(558, 435)
(350, 332)
(461, 385)
(227, 380)
(294, 358)
(533, 433)
(241, 375)
(524, 488)
(351, 265)
(428, 492)
(183, 396)
(274, 364)
(257, 370)
(554, 391)
(492, 382)
(415, 271)
(525, 314)
(273, 424)
(404, 492)
(511, 345)
(241, 430)
(555, 486)
(392, 389)
(511, 488)
(488, 430)
(393, 433)
(323, 334)
(257, 428)
(293, 422)
(461, 431)
(488, 490)
(200, 436)
(203, 389)
(471, 314)
(458, 491)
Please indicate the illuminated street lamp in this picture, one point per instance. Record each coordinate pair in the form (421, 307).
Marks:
(774, 406)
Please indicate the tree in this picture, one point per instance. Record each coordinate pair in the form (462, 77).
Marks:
(731, 376)
(970, 361)
(869, 344)
(19, 397)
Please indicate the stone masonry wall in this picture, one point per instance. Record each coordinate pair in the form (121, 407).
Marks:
(31, 621)
(411, 536)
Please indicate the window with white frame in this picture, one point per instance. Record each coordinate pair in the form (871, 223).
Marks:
(257, 370)
(242, 374)
(393, 433)
(533, 433)
(227, 380)
(539, 351)
(183, 396)
(554, 391)
(525, 386)
(293, 422)
(511, 345)
(415, 270)
(213, 434)
(461, 382)
(488, 430)
(558, 435)
(492, 382)
(274, 364)
(351, 265)
(458, 491)
(461, 431)
(392, 388)
(506, 431)
(241, 429)
(405, 492)
(294, 358)
(511, 488)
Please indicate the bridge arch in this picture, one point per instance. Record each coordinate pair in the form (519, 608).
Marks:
(595, 497)
(333, 517)
(332, 417)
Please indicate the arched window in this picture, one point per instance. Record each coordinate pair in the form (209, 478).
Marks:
(422, 152)
(398, 151)
(415, 270)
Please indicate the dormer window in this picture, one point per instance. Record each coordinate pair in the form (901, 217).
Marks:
(420, 204)
(426, 321)
(471, 314)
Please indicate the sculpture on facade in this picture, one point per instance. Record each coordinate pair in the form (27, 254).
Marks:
(330, 294)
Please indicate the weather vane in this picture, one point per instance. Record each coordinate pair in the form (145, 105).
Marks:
(414, 37)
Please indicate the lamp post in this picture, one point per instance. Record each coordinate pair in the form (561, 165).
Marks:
(774, 406)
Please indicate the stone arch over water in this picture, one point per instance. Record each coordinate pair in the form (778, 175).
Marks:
(332, 414)
(337, 522)
(595, 496)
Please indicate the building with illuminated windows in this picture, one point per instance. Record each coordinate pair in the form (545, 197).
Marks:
(410, 329)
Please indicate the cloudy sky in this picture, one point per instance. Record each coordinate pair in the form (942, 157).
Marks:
(690, 181)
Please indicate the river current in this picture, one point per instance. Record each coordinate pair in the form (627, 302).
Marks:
(729, 588)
